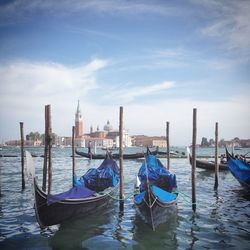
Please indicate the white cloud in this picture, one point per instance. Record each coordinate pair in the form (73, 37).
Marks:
(126, 94)
(26, 87)
(48, 78)
(229, 23)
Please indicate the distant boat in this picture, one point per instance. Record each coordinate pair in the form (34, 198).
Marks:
(114, 156)
(237, 148)
(208, 165)
(173, 154)
(79, 200)
(240, 170)
(154, 200)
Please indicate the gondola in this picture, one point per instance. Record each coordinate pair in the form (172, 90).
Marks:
(208, 165)
(240, 169)
(78, 201)
(114, 156)
(154, 198)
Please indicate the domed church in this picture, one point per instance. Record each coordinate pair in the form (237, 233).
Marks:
(108, 127)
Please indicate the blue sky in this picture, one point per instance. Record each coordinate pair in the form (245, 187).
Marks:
(157, 59)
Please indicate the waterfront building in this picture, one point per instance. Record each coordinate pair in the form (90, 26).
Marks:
(149, 141)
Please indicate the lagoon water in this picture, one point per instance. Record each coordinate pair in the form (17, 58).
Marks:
(221, 221)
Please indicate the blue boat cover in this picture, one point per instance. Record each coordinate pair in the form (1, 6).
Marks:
(157, 174)
(240, 169)
(95, 180)
(77, 192)
(163, 195)
(139, 197)
(98, 179)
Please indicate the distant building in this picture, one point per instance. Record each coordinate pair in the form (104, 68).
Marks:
(107, 137)
(108, 127)
(149, 141)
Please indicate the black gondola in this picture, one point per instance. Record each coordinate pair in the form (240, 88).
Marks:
(208, 165)
(59, 210)
(114, 156)
(154, 198)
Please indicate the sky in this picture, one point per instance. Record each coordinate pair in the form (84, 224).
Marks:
(157, 59)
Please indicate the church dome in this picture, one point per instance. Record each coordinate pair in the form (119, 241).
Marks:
(108, 127)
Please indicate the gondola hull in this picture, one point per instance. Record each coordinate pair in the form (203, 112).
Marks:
(208, 165)
(159, 212)
(114, 156)
(78, 200)
(61, 211)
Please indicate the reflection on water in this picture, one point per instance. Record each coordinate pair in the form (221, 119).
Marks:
(221, 221)
(74, 233)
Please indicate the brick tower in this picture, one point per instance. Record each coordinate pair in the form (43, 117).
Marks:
(78, 122)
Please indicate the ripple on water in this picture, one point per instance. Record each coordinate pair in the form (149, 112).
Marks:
(221, 220)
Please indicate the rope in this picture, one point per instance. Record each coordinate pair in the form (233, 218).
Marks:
(123, 199)
(183, 195)
(152, 203)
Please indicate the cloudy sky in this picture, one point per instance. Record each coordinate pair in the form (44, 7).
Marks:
(157, 59)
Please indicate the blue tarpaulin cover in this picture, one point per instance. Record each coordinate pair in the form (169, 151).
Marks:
(95, 180)
(240, 169)
(162, 194)
(98, 179)
(157, 174)
(77, 192)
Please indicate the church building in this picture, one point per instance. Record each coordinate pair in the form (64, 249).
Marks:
(100, 138)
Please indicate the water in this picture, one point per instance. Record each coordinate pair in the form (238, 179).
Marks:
(222, 219)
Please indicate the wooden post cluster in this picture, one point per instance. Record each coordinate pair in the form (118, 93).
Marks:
(73, 154)
(216, 183)
(47, 165)
(121, 157)
(168, 146)
(22, 154)
(194, 160)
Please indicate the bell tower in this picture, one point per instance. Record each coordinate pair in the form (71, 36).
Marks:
(78, 122)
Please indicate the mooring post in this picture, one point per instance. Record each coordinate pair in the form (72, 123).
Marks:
(73, 154)
(49, 149)
(216, 182)
(168, 146)
(0, 183)
(45, 160)
(22, 154)
(121, 158)
(194, 160)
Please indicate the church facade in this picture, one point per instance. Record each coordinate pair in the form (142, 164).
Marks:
(106, 138)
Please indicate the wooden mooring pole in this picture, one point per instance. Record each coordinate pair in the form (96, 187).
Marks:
(194, 160)
(22, 154)
(216, 182)
(121, 158)
(73, 154)
(168, 146)
(45, 160)
(49, 149)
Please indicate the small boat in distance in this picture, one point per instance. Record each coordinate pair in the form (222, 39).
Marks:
(240, 169)
(208, 165)
(90, 155)
(92, 192)
(154, 198)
